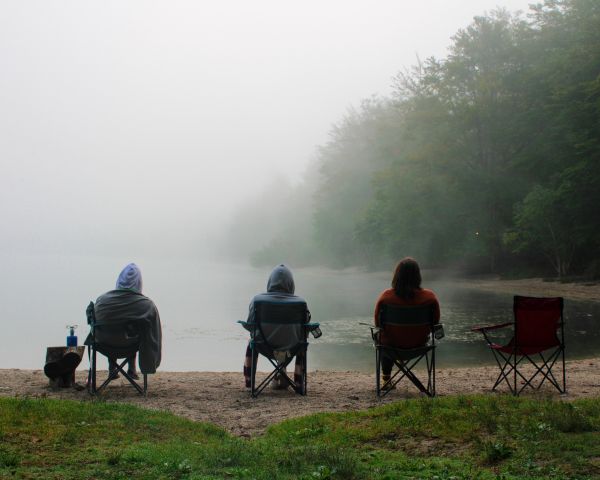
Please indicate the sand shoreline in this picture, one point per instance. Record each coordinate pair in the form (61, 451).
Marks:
(535, 287)
(220, 397)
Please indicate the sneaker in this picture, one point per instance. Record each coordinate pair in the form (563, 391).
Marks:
(133, 374)
(279, 383)
(386, 385)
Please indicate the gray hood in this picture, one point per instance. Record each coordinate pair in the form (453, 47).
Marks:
(281, 280)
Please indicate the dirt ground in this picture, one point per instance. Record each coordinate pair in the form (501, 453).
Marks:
(535, 287)
(221, 398)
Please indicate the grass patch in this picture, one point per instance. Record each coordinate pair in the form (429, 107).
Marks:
(464, 437)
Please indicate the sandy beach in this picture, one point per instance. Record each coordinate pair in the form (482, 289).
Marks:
(534, 287)
(221, 398)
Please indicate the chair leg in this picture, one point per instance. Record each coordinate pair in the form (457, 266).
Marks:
(113, 371)
(305, 373)
(504, 372)
(564, 370)
(545, 369)
(278, 370)
(405, 370)
(130, 379)
(377, 372)
(433, 373)
(298, 380)
(94, 360)
(253, 372)
(514, 392)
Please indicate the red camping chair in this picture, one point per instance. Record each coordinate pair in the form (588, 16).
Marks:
(536, 328)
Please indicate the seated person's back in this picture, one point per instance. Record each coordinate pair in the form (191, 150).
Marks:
(406, 291)
(135, 317)
(278, 301)
(277, 306)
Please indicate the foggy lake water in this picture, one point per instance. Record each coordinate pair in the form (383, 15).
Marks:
(200, 301)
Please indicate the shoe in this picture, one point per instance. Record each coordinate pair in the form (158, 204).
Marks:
(133, 374)
(279, 383)
(112, 367)
(386, 385)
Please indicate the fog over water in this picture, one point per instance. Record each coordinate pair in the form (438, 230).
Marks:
(133, 131)
(140, 126)
(199, 303)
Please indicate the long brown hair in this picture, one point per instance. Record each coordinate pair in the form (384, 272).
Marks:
(407, 278)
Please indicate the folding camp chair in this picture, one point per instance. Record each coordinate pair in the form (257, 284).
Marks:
(411, 323)
(280, 333)
(112, 352)
(535, 339)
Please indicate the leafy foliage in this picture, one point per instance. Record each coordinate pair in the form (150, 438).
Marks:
(483, 160)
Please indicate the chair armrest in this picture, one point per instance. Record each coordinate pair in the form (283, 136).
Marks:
(483, 328)
(246, 325)
(312, 326)
(374, 328)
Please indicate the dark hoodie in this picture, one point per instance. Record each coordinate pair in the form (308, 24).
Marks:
(280, 289)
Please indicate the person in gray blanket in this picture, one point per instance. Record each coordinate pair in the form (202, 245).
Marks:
(127, 303)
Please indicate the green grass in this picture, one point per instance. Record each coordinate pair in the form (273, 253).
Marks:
(474, 437)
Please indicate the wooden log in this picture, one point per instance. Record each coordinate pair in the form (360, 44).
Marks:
(61, 363)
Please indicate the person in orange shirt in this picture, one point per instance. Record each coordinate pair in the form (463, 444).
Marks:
(406, 290)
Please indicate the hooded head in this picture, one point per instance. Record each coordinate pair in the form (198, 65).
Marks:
(281, 280)
(130, 278)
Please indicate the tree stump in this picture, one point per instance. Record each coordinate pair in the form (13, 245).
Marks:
(61, 363)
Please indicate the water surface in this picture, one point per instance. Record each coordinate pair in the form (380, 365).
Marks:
(200, 301)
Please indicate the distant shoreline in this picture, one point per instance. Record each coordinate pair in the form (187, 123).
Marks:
(534, 287)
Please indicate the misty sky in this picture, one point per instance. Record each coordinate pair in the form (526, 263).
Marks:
(136, 123)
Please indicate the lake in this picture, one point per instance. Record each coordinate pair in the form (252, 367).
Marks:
(200, 301)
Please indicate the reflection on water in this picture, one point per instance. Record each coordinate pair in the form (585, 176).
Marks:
(199, 304)
(461, 309)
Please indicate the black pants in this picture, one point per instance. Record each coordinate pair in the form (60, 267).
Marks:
(130, 363)
(386, 360)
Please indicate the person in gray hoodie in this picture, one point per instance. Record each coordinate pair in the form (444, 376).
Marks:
(280, 289)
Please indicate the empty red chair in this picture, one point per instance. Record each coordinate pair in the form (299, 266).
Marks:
(538, 339)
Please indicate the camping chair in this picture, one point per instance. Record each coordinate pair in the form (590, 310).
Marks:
(112, 352)
(280, 333)
(411, 323)
(534, 339)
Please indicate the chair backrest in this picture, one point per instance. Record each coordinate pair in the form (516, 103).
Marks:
(118, 333)
(281, 324)
(537, 321)
(408, 325)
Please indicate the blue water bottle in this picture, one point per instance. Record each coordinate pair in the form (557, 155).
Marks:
(72, 338)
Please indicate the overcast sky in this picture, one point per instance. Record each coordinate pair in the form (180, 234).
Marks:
(145, 122)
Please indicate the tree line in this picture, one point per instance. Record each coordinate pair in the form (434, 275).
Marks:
(487, 160)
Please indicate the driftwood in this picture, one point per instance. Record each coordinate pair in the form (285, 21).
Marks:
(61, 363)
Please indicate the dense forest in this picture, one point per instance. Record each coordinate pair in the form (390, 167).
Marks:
(487, 160)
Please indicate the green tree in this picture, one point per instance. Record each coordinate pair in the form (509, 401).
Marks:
(542, 223)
